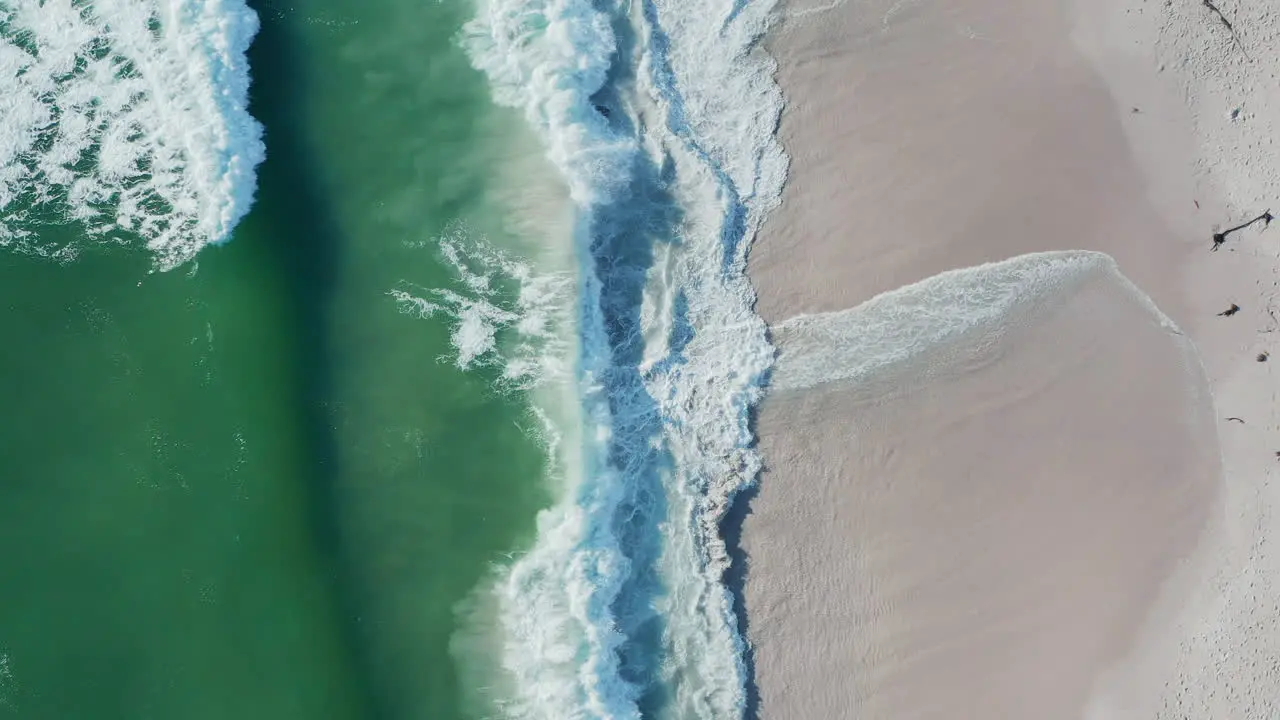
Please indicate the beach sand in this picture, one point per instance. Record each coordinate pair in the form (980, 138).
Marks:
(1062, 522)
(978, 540)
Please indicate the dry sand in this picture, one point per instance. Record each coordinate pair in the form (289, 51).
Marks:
(1048, 529)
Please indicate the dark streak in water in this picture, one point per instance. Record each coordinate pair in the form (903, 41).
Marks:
(304, 248)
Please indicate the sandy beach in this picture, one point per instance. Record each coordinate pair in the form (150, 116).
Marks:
(1064, 514)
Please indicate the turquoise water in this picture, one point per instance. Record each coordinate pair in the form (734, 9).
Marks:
(448, 425)
(161, 555)
(246, 487)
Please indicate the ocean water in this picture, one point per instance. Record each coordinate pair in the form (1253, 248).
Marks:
(397, 365)
(247, 485)
(659, 118)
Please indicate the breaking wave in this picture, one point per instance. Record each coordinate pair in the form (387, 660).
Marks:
(128, 118)
(659, 116)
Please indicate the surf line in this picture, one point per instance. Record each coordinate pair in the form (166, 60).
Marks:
(619, 609)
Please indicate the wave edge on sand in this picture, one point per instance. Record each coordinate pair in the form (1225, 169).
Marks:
(1013, 505)
(964, 306)
(1125, 128)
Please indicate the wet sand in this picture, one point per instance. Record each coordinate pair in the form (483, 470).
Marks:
(1046, 522)
(979, 536)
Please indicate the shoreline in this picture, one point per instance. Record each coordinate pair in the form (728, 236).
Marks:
(925, 139)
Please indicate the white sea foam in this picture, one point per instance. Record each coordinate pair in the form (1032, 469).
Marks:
(714, 88)
(8, 685)
(559, 604)
(503, 296)
(973, 306)
(129, 117)
(547, 58)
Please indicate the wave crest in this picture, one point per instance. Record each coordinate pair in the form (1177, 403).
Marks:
(127, 117)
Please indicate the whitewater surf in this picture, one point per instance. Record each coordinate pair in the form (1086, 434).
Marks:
(659, 117)
(128, 118)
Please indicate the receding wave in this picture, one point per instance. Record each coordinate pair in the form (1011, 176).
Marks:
(128, 118)
(968, 306)
(619, 609)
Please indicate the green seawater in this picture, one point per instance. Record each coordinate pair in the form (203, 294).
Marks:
(247, 488)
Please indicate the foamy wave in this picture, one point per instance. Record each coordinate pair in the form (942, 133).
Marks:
(127, 116)
(975, 304)
(518, 330)
(666, 390)
(716, 92)
(548, 58)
